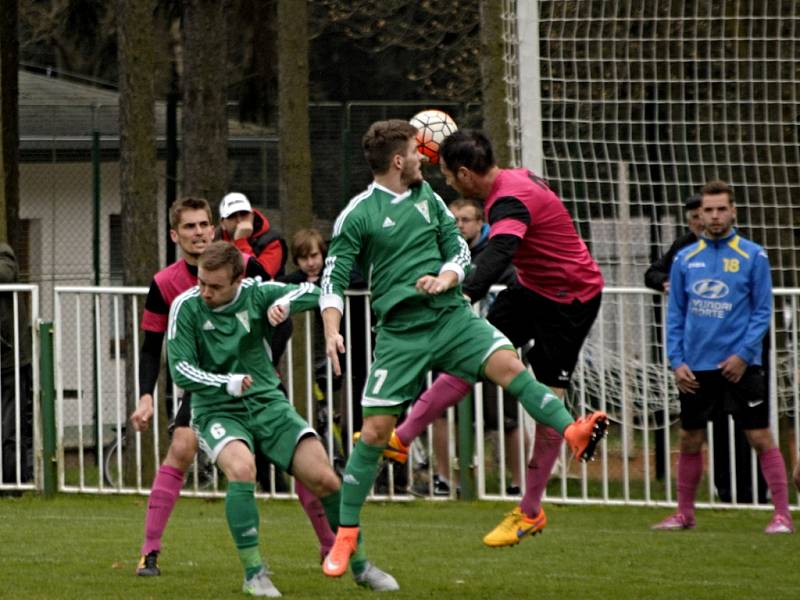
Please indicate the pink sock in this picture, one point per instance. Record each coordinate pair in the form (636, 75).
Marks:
(690, 471)
(163, 495)
(316, 514)
(774, 470)
(545, 453)
(445, 392)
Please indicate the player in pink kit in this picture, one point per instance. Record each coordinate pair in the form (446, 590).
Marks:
(554, 303)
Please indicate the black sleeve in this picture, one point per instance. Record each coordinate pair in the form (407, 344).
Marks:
(150, 361)
(293, 277)
(509, 207)
(280, 339)
(658, 272)
(490, 265)
(253, 268)
(155, 302)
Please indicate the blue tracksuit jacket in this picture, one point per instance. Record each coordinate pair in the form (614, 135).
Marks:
(720, 303)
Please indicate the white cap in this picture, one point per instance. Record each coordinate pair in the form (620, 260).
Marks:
(233, 203)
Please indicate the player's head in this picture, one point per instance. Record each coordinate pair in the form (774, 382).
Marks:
(469, 218)
(691, 208)
(391, 146)
(465, 156)
(717, 209)
(235, 207)
(308, 251)
(191, 226)
(219, 273)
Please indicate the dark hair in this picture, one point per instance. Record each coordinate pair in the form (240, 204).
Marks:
(384, 140)
(468, 148)
(692, 202)
(717, 186)
(462, 202)
(222, 254)
(188, 203)
(303, 243)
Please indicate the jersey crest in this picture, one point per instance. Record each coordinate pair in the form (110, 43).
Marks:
(422, 207)
(244, 320)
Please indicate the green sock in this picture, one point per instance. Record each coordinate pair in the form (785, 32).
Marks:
(242, 515)
(540, 402)
(358, 562)
(359, 475)
(332, 503)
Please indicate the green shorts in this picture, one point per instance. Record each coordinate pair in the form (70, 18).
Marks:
(270, 425)
(458, 342)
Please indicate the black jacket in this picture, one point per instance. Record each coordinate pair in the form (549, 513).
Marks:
(658, 272)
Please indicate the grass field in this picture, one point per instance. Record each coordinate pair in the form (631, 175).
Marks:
(86, 547)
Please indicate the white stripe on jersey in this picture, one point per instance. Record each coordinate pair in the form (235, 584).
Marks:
(354, 201)
(325, 282)
(303, 289)
(200, 376)
(175, 308)
(463, 258)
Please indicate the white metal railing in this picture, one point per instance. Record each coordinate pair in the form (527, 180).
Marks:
(16, 406)
(621, 370)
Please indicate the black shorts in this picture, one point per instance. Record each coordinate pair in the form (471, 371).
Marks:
(746, 400)
(183, 418)
(557, 330)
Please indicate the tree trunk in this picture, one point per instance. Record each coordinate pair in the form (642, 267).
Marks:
(9, 113)
(295, 148)
(203, 121)
(493, 85)
(293, 128)
(138, 184)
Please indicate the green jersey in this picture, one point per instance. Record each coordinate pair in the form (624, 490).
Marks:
(395, 239)
(206, 346)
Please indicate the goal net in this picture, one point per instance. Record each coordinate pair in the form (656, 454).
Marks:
(629, 107)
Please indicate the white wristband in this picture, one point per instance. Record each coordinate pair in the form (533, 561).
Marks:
(234, 385)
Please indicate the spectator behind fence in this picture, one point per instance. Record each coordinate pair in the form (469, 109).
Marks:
(13, 373)
(657, 277)
(720, 304)
(250, 231)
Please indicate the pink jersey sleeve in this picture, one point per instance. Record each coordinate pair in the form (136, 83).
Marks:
(154, 322)
(508, 227)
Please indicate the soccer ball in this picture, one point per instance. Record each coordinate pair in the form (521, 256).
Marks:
(432, 127)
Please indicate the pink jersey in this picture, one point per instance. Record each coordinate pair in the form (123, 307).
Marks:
(172, 281)
(551, 258)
